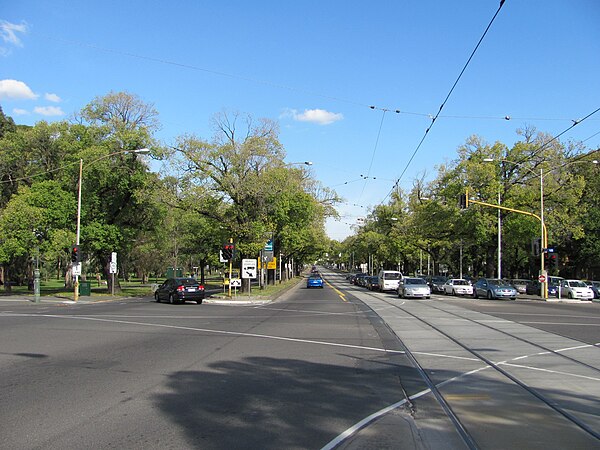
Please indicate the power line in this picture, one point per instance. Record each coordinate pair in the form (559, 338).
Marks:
(445, 100)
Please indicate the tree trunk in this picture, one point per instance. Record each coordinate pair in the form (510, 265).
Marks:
(109, 277)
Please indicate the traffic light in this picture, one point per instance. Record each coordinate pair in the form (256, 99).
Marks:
(75, 254)
(228, 250)
(463, 201)
(553, 260)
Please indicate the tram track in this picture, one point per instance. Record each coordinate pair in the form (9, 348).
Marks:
(559, 404)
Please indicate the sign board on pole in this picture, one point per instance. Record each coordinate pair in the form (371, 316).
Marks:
(221, 258)
(271, 265)
(112, 267)
(236, 282)
(249, 268)
(113, 257)
(76, 270)
(542, 278)
(269, 246)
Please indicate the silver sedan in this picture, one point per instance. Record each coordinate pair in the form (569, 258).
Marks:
(413, 287)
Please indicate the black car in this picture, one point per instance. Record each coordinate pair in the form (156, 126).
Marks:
(179, 290)
(372, 283)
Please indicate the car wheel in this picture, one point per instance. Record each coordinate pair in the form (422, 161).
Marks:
(156, 297)
(199, 302)
(570, 295)
(489, 295)
(453, 292)
(475, 293)
(171, 299)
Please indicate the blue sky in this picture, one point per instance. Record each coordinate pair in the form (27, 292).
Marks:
(316, 67)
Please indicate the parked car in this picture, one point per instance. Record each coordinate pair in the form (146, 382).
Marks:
(314, 280)
(520, 285)
(180, 290)
(436, 284)
(358, 278)
(575, 289)
(458, 286)
(413, 287)
(388, 280)
(493, 288)
(534, 287)
(595, 287)
(361, 279)
(372, 283)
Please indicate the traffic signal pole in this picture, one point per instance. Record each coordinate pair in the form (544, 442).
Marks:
(465, 203)
(230, 266)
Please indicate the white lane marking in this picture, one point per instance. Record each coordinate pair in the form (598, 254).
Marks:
(446, 356)
(367, 420)
(205, 330)
(539, 369)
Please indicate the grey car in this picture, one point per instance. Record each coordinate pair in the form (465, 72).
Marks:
(493, 288)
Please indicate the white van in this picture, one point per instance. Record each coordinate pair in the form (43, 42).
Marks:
(388, 280)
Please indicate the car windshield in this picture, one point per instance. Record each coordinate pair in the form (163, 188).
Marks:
(415, 281)
(391, 276)
(577, 284)
(438, 280)
(498, 283)
(461, 282)
(315, 277)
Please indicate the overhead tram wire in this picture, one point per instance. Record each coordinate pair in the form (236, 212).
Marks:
(373, 155)
(445, 100)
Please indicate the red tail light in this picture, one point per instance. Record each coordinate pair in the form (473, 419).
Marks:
(180, 288)
(201, 287)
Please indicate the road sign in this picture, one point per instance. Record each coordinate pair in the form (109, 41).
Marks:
(271, 265)
(221, 258)
(542, 278)
(269, 246)
(112, 267)
(249, 268)
(236, 282)
(113, 257)
(76, 269)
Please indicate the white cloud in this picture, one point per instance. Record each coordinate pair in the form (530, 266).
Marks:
(48, 110)
(318, 116)
(8, 33)
(52, 98)
(15, 90)
(20, 112)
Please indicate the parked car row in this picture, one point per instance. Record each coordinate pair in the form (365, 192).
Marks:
(490, 288)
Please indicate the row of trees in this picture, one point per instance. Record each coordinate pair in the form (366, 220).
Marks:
(235, 184)
(427, 224)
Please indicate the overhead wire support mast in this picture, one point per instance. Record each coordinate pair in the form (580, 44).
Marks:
(445, 100)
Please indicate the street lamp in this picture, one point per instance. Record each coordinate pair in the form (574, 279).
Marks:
(301, 163)
(78, 231)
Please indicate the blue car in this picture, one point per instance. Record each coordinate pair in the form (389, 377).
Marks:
(314, 280)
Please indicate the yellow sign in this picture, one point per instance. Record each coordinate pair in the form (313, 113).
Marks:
(270, 265)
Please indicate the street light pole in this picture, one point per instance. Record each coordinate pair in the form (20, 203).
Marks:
(78, 229)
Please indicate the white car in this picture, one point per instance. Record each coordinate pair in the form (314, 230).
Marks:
(575, 289)
(458, 286)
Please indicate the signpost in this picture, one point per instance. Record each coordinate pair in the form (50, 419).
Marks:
(112, 270)
(542, 278)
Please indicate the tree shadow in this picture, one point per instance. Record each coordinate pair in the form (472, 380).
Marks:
(263, 402)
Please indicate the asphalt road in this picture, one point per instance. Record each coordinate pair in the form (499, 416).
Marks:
(136, 374)
(319, 368)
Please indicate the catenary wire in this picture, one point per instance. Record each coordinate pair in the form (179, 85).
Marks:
(445, 100)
